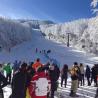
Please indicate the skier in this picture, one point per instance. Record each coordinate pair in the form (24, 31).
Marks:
(36, 50)
(64, 74)
(40, 84)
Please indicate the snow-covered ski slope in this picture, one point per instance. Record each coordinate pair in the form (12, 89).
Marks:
(63, 54)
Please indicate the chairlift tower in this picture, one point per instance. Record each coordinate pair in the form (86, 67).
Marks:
(68, 39)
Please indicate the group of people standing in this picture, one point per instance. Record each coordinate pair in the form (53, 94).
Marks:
(37, 80)
(78, 74)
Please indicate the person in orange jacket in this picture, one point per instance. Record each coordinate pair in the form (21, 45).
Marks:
(37, 64)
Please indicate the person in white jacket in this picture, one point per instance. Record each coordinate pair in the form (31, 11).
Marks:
(82, 72)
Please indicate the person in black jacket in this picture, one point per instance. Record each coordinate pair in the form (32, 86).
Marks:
(31, 72)
(64, 74)
(93, 74)
(3, 83)
(96, 75)
(20, 82)
(54, 73)
(88, 74)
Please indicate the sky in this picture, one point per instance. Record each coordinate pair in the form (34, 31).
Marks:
(54, 10)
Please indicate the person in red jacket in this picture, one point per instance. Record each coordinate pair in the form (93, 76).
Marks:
(40, 84)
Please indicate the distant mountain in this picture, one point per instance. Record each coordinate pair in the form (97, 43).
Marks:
(35, 23)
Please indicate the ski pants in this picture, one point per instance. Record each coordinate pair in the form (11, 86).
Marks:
(82, 79)
(8, 77)
(1, 93)
(64, 79)
(74, 85)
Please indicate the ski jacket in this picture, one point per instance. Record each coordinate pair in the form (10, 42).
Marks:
(88, 72)
(8, 69)
(74, 73)
(37, 65)
(54, 76)
(82, 70)
(39, 85)
(20, 82)
(64, 71)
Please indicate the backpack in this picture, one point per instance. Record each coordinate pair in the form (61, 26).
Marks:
(41, 87)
